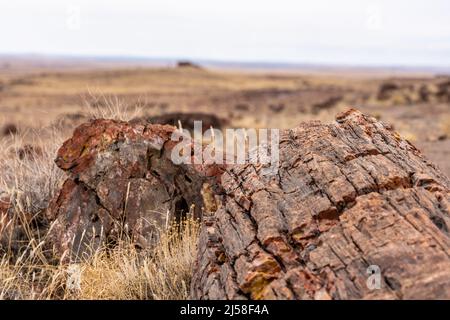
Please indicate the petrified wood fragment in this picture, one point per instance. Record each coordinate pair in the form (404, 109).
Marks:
(121, 182)
(347, 196)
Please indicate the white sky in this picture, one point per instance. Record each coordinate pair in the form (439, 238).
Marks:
(395, 32)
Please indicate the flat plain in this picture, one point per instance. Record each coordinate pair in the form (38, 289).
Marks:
(58, 94)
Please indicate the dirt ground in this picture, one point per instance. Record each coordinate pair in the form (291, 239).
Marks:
(53, 96)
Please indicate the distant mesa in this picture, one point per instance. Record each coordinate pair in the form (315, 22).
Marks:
(187, 64)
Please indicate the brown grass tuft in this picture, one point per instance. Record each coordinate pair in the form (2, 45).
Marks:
(100, 106)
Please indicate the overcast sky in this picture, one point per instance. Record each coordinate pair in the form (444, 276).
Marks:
(395, 32)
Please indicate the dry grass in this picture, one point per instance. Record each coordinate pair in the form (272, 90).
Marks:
(28, 269)
(123, 272)
(127, 273)
(101, 106)
(29, 276)
(28, 172)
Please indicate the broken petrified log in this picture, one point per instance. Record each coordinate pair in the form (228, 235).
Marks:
(349, 198)
(121, 182)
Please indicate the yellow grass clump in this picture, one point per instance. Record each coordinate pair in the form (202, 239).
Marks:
(123, 272)
(161, 273)
(101, 106)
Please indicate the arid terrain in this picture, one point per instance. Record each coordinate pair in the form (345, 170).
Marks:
(36, 96)
(42, 102)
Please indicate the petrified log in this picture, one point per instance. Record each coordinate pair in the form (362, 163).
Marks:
(349, 198)
(121, 182)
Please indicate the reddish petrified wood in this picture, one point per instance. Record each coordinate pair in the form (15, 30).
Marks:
(347, 195)
(121, 182)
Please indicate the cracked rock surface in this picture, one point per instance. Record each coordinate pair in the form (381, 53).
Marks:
(347, 195)
(347, 198)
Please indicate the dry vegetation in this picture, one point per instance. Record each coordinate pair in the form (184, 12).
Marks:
(40, 109)
(120, 273)
(27, 269)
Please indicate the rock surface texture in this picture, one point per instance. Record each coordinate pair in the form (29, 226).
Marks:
(348, 197)
(121, 182)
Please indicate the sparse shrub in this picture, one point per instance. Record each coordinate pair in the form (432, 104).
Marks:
(277, 107)
(242, 107)
(28, 173)
(100, 106)
(10, 129)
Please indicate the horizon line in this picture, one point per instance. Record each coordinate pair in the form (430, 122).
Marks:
(231, 63)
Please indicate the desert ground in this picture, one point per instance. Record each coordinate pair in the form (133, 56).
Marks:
(37, 96)
(42, 103)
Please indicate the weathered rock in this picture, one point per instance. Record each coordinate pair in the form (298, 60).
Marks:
(121, 182)
(326, 104)
(276, 107)
(349, 197)
(386, 89)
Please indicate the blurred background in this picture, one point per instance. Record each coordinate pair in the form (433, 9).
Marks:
(231, 64)
(350, 32)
